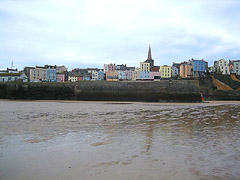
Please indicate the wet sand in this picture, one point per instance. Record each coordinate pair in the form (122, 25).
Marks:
(119, 140)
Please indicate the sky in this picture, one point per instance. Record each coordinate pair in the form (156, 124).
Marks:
(90, 33)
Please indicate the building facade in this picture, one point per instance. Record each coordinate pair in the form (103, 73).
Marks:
(199, 67)
(72, 78)
(7, 77)
(129, 75)
(174, 71)
(42, 73)
(112, 76)
(155, 75)
(94, 76)
(212, 69)
(221, 66)
(51, 74)
(145, 67)
(155, 69)
(110, 67)
(60, 77)
(177, 65)
(186, 70)
(122, 75)
(235, 66)
(38, 74)
(135, 75)
(26, 70)
(100, 75)
(144, 75)
(148, 64)
(166, 71)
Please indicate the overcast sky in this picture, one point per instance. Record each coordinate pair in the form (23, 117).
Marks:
(90, 33)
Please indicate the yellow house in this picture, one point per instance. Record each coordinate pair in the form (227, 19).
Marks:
(135, 75)
(144, 66)
(166, 71)
(72, 78)
(112, 76)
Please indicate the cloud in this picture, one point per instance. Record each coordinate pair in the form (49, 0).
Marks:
(92, 32)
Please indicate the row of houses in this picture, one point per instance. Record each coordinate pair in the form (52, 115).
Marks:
(47, 73)
(192, 68)
(12, 75)
(224, 67)
(148, 71)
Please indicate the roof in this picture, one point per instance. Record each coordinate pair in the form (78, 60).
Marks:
(11, 74)
(232, 61)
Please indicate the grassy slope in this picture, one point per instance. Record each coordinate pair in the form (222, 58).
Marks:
(227, 79)
(219, 85)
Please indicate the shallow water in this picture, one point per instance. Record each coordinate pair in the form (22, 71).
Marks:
(116, 141)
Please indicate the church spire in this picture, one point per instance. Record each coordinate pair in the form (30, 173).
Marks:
(149, 54)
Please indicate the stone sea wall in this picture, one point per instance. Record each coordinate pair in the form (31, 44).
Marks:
(164, 90)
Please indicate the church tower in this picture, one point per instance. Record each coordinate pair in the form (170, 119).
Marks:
(149, 59)
(149, 54)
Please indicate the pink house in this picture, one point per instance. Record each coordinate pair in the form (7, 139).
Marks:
(154, 75)
(79, 78)
(111, 67)
(60, 77)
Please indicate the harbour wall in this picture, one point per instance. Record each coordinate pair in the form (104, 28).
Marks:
(159, 91)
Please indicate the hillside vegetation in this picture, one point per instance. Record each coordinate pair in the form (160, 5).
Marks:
(220, 85)
(234, 77)
(228, 81)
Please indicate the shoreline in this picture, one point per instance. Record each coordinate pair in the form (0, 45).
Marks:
(123, 102)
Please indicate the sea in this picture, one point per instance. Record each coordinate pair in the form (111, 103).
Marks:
(76, 140)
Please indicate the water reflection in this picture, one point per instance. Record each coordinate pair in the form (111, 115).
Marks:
(119, 141)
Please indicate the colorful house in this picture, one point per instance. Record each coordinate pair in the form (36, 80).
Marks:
(72, 78)
(174, 71)
(212, 69)
(148, 64)
(166, 71)
(60, 77)
(122, 75)
(6, 77)
(100, 75)
(111, 67)
(154, 75)
(221, 66)
(112, 76)
(186, 70)
(136, 75)
(144, 75)
(51, 74)
(199, 67)
(145, 67)
(236, 66)
(38, 74)
(129, 75)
